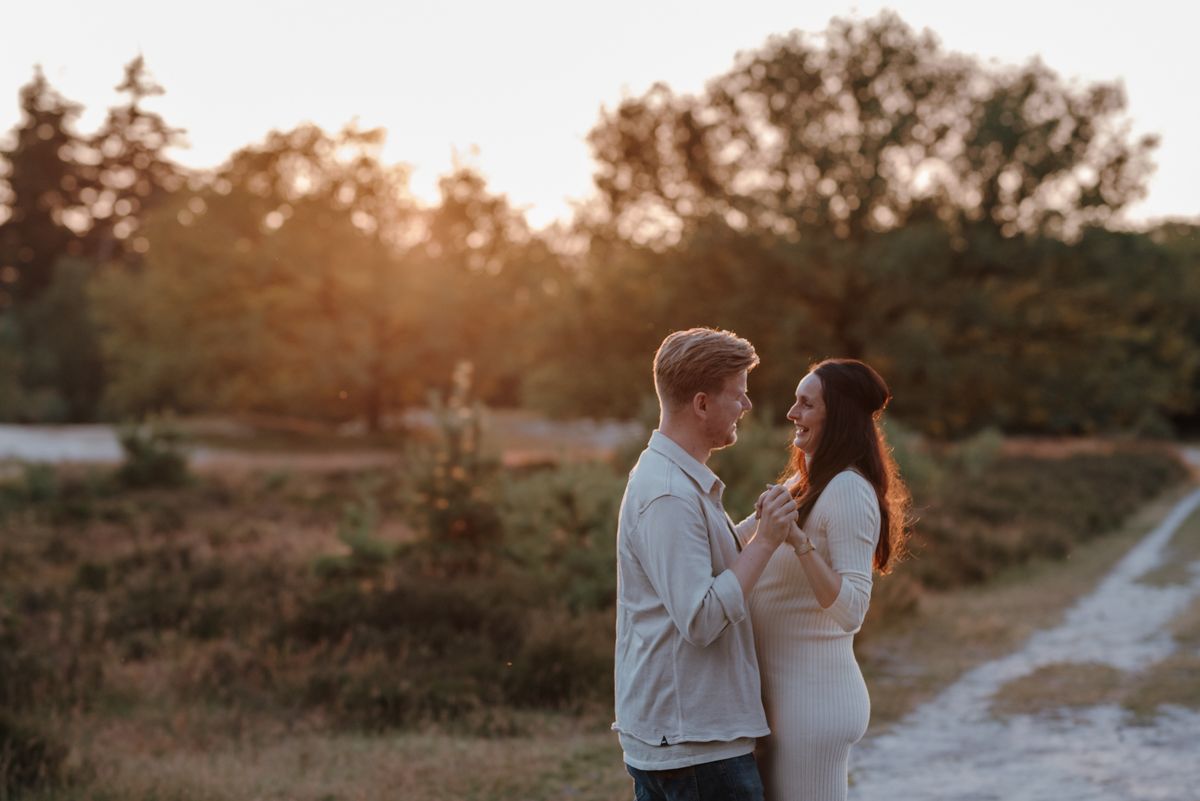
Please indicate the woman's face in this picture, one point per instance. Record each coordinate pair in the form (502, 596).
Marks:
(808, 413)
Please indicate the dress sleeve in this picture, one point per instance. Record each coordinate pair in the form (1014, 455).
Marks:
(676, 555)
(852, 530)
(745, 529)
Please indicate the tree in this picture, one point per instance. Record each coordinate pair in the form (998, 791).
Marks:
(863, 130)
(866, 194)
(46, 175)
(273, 290)
(133, 172)
(491, 280)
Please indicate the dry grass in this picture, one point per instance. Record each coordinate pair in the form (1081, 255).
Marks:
(912, 661)
(151, 737)
(1175, 680)
(224, 756)
(1054, 688)
(1051, 688)
(1180, 556)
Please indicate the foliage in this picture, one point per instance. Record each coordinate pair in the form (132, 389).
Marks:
(184, 583)
(1022, 508)
(560, 526)
(29, 757)
(154, 455)
(454, 484)
(858, 192)
(866, 194)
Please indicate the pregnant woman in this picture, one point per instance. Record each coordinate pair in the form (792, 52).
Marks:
(813, 596)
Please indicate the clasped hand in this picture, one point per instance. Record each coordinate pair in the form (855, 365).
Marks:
(776, 513)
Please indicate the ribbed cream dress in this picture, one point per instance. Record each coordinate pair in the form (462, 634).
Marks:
(813, 691)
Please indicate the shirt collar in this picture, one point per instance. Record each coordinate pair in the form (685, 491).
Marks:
(706, 479)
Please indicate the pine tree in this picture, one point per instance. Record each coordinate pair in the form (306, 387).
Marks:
(135, 175)
(46, 174)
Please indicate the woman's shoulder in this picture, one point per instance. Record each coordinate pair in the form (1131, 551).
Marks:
(849, 485)
(849, 478)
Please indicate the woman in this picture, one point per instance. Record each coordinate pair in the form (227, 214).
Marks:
(813, 596)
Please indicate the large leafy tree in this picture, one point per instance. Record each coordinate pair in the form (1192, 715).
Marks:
(273, 289)
(865, 193)
(493, 281)
(863, 130)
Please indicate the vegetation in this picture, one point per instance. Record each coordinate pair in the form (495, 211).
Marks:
(861, 193)
(340, 600)
(858, 193)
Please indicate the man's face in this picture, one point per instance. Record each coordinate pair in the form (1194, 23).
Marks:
(724, 410)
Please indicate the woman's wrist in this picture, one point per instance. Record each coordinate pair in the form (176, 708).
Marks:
(803, 546)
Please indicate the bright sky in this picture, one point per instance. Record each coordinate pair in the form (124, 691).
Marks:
(513, 87)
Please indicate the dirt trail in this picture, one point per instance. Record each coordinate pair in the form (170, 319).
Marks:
(519, 438)
(954, 748)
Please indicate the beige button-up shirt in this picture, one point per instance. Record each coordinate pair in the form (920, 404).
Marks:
(685, 665)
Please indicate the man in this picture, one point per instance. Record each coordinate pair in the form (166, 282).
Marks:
(688, 704)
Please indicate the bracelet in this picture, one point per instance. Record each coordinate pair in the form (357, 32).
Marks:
(804, 547)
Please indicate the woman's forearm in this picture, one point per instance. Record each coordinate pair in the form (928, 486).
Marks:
(826, 583)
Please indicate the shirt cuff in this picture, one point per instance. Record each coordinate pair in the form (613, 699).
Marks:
(728, 590)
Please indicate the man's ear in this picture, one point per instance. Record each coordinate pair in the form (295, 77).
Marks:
(700, 404)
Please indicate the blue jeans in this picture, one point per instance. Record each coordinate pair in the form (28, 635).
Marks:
(733, 779)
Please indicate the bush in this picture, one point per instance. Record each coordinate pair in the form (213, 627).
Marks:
(560, 528)
(454, 486)
(563, 662)
(368, 554)
(1026, 507)
(154, 455)
(29, 756)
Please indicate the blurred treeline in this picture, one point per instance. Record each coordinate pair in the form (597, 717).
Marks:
(858, 193)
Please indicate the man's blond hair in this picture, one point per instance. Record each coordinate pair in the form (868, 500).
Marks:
(698, 360)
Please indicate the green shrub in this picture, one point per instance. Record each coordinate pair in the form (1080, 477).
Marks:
(454, 486)
(974, 456)
(357, 530)
(92, 576)
(560, 527)
(30, 757)
(564, 661)
(154, 455)
(1024, 507)
(921, 470)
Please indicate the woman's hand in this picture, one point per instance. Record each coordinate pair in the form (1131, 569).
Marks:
(776, 512)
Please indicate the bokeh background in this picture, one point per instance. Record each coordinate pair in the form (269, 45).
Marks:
(324, 351)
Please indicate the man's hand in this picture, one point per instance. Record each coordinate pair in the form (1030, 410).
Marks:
(776, 515)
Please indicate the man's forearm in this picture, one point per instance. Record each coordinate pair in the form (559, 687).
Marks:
(751, 562)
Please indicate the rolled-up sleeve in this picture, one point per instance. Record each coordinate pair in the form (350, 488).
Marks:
(852, 529)
(676, 556)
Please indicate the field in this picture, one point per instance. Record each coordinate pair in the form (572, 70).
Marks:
(441, 627)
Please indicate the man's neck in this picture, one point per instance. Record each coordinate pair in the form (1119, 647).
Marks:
(691, 441)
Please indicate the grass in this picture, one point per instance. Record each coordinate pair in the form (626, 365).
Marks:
(1180, 556)
(197, 706)
(911, 661)
(222, 757)
(1175, 680)
(1059, 686)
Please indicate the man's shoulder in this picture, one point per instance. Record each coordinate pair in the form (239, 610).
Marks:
(657, 476)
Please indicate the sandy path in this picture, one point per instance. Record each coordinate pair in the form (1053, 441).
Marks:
(519, 437)
(953, 748)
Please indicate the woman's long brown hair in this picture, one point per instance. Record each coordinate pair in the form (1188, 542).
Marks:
(855, 397)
